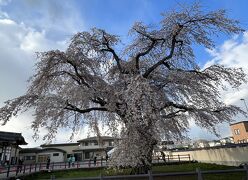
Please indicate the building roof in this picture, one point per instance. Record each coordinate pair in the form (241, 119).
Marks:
(13, 138)
(61, 144)
(29, 150)
(239, 122)
(95, 138)
(52, 149)
(38, 150)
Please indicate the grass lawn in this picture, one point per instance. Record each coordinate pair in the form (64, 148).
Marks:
(76, 173)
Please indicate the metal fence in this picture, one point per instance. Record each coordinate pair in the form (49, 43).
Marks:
(20, 170)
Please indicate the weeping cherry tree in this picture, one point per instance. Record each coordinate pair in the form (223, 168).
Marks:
(147, 90)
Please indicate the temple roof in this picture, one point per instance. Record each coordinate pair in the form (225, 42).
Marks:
(12, 138)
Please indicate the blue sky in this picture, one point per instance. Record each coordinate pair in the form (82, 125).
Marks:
(28, 26)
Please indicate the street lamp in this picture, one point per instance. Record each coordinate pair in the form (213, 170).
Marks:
(245, 104)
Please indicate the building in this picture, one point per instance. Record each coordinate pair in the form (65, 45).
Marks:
(67, 147)
(95, 147)
(240, 132)
(201, 143)
(82, 150)
(39, 155)
(9, 146)
(226, 140)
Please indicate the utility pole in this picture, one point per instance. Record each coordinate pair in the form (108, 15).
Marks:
(245, 104)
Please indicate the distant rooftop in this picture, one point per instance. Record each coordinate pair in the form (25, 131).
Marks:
(95, 138)
(11, 137)
(61, 144)
(239, 122)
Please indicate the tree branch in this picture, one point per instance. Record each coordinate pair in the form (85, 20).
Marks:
(153, 67)
(174, 41)
(109, 49)
(77, 73)
(149, 48)
(74, 108)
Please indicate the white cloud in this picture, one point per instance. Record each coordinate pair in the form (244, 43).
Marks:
(17, 57)
(232, 53)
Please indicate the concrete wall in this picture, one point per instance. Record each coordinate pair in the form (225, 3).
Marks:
(232, 156)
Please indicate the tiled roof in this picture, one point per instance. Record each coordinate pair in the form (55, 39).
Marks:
(11, 137)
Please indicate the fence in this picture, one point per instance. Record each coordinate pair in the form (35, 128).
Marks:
(17, 170)
(197, 173)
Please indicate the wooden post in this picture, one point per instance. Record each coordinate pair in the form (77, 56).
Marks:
(24, 168)
(8, 170)
(15, 154)
(150, 175)
(199, 175)
(30, 167)
(178, 157)
(189, 157)
(35, 167)
(40, 166)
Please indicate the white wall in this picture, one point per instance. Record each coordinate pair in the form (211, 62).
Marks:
(59, 158)
(233, 156)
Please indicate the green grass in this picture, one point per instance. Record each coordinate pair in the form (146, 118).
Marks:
(76, 173)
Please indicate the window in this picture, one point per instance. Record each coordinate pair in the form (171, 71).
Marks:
(236, 131)
(55, 154)
(42, 158)
(111, 143)
(87, 155)
(95, 143)
(29, 158)
(69, 155)
(86, 144)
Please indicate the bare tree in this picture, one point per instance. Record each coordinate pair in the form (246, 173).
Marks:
(151, 88)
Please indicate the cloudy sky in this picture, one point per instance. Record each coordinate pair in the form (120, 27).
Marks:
(29, 26)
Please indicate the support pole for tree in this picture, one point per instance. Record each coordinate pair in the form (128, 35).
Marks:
(246, 168)
(150, 174)
(199, 174)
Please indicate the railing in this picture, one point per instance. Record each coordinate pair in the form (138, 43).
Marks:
(17, 170)
(171, 158)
